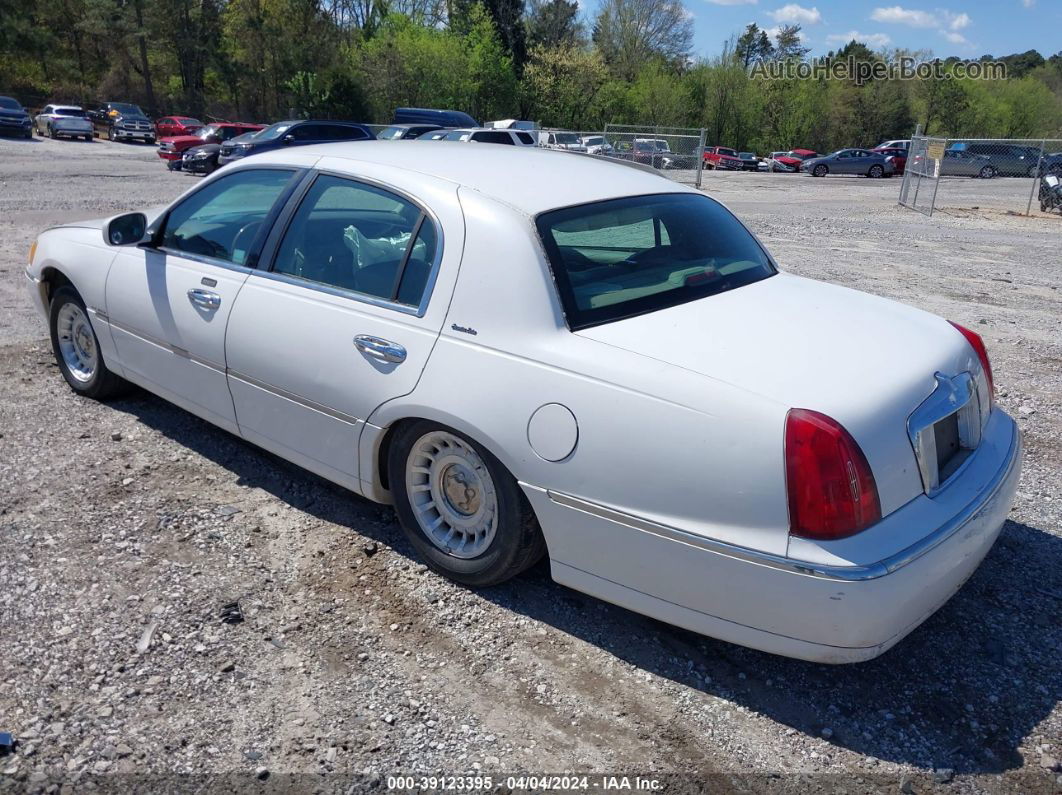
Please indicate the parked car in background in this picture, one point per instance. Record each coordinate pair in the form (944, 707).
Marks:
(14, 119)
(789, 162)
(957, 163)
(501, 343)
(722, 157)
(434, 135)
(296, 133)
(489, 135)
(172, 126)
(121, 121)
(564, 141)
(901, 143)
(234, 143)
(597, 144)
(64, 121)
(1011, 160)
(767, 164)
(440, 118)
(399, 132)
(861, 162)
(206, 158)
(172, 149)
(897, 154)
(749, 161)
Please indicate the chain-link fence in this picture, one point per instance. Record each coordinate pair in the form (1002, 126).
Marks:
(1013, 176)
(677, 152)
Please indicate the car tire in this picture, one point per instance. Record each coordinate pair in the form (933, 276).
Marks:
(499, 535)
(876, 172)
(51, 132)
(89, 138)
(820, 171)
(987, 172)
(110, 134)
(38, 129)
(77, 349)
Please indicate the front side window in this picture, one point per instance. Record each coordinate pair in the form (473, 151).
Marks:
(223, 219)
(624, 257)
(361, 238)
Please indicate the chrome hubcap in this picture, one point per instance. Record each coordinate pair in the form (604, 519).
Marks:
(452, 494)
(77, 343)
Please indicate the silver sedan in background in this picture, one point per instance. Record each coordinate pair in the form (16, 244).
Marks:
(862, 162)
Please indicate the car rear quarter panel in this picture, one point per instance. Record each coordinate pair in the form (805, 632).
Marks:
(653, 440)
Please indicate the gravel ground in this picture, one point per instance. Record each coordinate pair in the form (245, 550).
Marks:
(126, 528)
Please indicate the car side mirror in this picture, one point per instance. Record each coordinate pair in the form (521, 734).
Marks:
(289, 139)
(126, 230)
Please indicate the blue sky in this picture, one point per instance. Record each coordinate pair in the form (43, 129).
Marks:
(966, 28)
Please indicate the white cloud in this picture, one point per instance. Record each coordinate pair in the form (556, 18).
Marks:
(959, 22)
(733, 2)
(953, 37)
(772, 33)
(1028, 3)
(873, 39)
(905, 16)
(796, 14)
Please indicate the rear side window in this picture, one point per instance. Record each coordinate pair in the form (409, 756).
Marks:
(525, 138)
(626, 257)
(361, 238)
(342, 132)
(223, 219)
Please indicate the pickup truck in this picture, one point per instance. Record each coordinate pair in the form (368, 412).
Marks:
(121, 121)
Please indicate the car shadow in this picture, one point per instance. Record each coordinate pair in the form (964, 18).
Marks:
(962, 692)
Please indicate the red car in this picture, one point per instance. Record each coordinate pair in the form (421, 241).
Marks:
(169, 126)
(898, 155)
(171, 148)
(722, 157)
(790, 162)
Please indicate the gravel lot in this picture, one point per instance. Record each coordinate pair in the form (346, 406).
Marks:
(125, 528)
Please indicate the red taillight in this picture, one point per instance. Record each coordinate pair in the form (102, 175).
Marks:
(978, 345)
(832, 493)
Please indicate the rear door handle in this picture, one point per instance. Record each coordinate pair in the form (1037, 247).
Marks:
(205, 298)
(384, 350)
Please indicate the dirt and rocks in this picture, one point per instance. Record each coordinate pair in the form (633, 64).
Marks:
(179, 610)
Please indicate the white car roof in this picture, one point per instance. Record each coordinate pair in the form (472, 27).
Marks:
(529, 179)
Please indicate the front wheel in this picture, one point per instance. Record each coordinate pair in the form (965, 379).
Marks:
(820, 171)
(460, 508)
(77, 349)
(875, 172)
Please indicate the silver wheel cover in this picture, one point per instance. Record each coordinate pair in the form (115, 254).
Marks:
(77, 343)
(452, 494)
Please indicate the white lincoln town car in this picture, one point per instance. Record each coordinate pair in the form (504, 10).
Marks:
(537, 353)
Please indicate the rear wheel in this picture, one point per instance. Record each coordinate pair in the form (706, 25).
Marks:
(876, 172)
(460, 507)
(987, 172)
(77, 349)
(821, 171)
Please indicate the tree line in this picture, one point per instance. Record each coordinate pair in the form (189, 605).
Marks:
(631, 63)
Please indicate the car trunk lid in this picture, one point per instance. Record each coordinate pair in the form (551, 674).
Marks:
(865, 361)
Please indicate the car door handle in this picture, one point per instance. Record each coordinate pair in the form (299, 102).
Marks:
(384, 350)
(205, 298)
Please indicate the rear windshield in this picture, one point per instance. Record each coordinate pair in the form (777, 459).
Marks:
(625, 257)
(76, 112)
